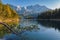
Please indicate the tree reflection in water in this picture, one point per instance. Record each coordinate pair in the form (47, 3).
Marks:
(50, 24)
(21, 33)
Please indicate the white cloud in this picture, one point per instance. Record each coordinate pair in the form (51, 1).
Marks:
(56, 5)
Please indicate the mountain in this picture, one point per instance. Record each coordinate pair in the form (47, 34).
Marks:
(33, 10)
(37, 8)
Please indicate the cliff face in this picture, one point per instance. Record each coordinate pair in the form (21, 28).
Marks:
(7, 16)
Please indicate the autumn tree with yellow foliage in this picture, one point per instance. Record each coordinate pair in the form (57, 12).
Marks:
(8, 16)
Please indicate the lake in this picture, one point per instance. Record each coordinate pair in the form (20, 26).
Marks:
(49, 30)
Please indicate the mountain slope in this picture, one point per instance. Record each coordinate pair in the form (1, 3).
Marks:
(37, 8)
(53, 15)
(7, 16)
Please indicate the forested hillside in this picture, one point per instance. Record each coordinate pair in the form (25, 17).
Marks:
(9, 17)
(52, 14)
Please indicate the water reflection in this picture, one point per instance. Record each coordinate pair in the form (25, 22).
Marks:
(11, 37)
(25, 26)
(50, 24)
(36, 30)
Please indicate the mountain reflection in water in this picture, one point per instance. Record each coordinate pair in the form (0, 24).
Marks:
(46, 32)
(25, 26)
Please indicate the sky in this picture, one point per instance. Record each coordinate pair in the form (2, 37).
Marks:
(52, 4)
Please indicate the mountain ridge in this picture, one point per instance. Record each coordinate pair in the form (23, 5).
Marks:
(36, 8)
(30, 11)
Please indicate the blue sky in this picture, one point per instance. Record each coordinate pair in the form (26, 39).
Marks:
(48, 3)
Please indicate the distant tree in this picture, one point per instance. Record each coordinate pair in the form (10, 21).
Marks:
(52, 14)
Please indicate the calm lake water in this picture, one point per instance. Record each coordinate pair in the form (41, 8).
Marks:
(49, 30)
